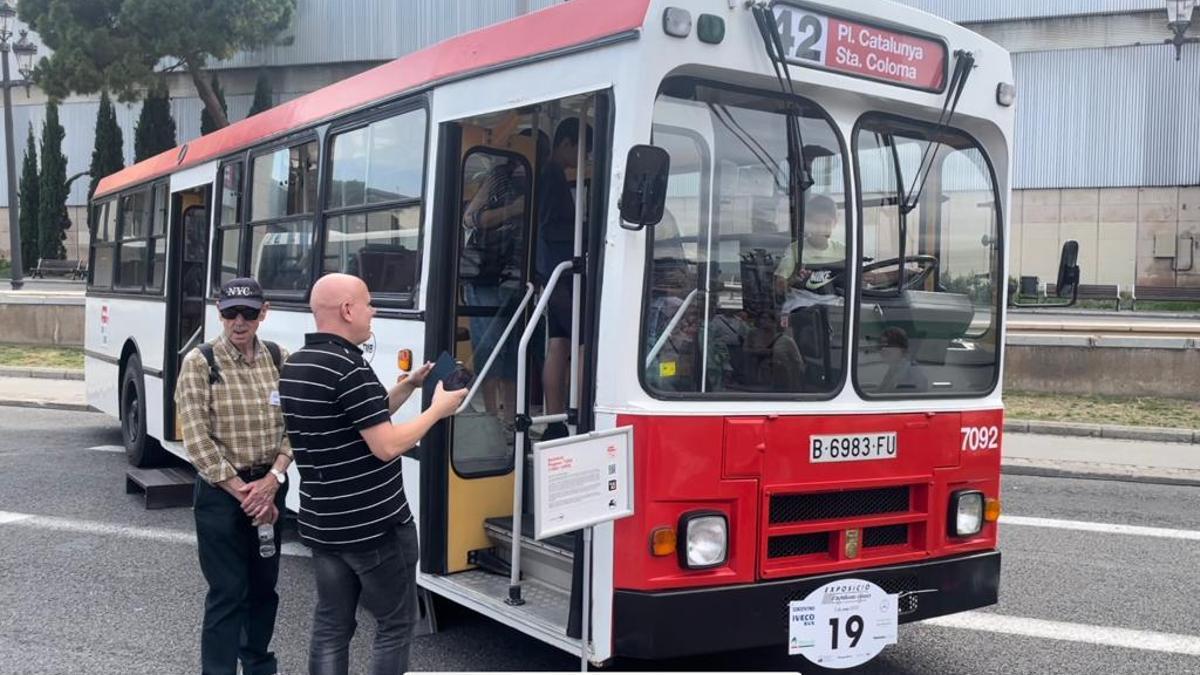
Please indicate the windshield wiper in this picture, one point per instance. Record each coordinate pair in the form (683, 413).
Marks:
(799, 178)
(964, 63)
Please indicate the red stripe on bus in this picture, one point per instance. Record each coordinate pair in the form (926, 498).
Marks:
(555, 28)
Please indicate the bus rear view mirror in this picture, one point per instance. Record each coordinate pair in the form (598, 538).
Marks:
(644, 195)
(1068, 270)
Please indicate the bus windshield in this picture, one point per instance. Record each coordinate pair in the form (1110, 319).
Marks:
(746, 284)
(929, 314)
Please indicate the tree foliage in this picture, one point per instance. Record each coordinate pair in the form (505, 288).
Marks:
(108, 153)
(264, 99)
(155, 130)
(28, 199)
(119, 44)
(52, 198)
(208, 122)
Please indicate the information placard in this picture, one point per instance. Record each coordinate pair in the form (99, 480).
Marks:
(818, 40)
(583, 480)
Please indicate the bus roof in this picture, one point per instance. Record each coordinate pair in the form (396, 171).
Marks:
(566, 26)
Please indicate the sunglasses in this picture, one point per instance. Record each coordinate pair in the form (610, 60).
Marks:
(248, 313)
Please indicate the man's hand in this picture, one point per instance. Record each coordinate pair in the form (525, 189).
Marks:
(268, 517)
(445, 403)
(259, 495)
(417, 377)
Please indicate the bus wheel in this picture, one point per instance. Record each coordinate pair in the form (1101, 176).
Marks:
(141, 450)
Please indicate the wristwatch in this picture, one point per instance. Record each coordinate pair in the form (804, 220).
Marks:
(280, 476)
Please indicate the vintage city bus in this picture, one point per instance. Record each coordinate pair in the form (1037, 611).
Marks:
(780, 233)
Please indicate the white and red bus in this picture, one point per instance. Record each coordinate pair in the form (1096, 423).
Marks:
(807, 342)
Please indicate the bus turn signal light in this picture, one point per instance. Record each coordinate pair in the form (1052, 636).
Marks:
(662, 542)
(404, 360)
(991, 510)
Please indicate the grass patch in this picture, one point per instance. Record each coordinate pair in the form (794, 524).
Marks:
(23, 356)
(1123, 410)
(5, 269)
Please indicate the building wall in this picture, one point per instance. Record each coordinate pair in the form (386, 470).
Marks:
(1127, 236)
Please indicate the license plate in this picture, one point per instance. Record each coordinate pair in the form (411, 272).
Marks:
(852, 447)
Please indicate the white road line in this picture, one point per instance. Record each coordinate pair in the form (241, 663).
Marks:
(290, 548)
(1105, 528)
(1071, 632)
(108, 448)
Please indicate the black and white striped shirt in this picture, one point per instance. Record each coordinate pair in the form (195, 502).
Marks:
(349, 499)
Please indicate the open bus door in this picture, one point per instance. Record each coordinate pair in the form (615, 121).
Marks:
(485, 275)
(186, 283)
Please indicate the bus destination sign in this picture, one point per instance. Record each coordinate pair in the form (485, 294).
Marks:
(819, 40)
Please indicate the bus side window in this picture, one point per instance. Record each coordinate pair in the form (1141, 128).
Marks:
(373, 217)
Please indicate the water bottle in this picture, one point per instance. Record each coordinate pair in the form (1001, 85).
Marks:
(266, 540)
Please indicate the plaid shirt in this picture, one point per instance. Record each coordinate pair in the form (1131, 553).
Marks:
(230, 425)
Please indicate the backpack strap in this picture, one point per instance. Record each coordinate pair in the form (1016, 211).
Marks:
(276, 354)
(214, 371)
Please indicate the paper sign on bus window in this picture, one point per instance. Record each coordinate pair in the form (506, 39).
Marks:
(817, 40)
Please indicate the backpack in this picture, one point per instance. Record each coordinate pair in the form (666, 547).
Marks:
(214, 371)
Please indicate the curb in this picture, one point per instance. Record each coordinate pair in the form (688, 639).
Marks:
(42, 373)
(1077, 471)
(48, 405)
(1111, 431)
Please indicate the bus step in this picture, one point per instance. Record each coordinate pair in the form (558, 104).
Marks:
(487, 560)
(550, 561)
(163, 488)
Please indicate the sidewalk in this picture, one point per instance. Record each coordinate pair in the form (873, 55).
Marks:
(1058, 451)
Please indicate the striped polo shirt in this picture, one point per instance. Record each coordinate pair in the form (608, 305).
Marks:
(349, 498)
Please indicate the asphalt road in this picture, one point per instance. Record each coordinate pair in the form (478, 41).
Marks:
(96, 584)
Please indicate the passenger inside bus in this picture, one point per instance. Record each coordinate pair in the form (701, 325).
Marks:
(555, 245)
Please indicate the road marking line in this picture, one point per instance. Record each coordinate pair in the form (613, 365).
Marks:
(108, 448)
(1071, 632)
(290, 548)
(1106, 528)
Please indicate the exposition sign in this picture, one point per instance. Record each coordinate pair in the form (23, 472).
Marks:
(819, 40)
(843, 624)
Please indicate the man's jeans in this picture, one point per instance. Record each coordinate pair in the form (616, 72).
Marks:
(384, 579)
(239, 610)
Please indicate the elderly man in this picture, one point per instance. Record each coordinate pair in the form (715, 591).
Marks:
(228, 402)
(353, 512)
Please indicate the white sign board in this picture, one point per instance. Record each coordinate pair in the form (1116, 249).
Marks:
(580, 481)
(843, 624)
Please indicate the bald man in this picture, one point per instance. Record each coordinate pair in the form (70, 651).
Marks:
(353, 512)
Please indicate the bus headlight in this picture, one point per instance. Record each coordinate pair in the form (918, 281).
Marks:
(966, 513)
(706, 537)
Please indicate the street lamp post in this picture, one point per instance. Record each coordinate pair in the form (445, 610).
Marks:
(1179, 19)
(25, 50)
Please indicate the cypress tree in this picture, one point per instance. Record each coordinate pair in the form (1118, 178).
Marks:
(155, 130)
(108, 154)
(263, 98)
(207, 123)
(28, 199)
(52, 212)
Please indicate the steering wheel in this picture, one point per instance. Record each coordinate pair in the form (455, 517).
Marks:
(913, 281)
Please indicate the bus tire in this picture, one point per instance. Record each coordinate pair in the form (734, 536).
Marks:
(141, 450)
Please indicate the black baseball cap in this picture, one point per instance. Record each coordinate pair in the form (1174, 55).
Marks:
(243, 292)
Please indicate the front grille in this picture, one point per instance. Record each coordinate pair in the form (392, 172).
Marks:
(889, 535)
(797, 544)
(829, 505)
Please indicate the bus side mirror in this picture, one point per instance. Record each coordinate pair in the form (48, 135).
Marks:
(1068, 271)
(644, 194)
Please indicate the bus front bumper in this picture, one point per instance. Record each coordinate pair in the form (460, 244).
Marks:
(668, 624)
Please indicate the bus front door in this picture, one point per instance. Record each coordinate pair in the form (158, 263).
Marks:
(188, 255)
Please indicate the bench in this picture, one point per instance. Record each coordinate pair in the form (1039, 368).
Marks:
(1094, 292)
(1167, 293)
(75, 269)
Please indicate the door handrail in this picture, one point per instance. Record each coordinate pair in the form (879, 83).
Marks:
(487, 366)
(662, 339)
(192, 341)
(514, 583)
